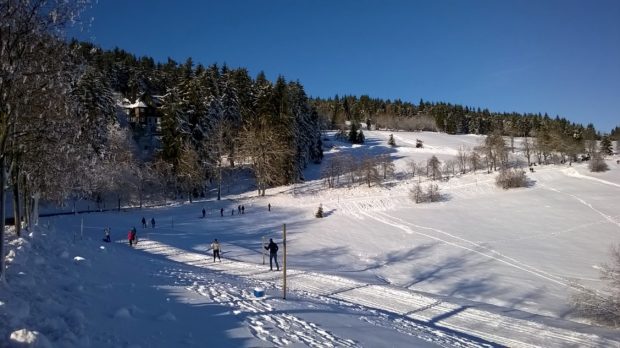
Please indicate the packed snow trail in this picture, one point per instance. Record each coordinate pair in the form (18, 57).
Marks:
(443, 321)
(489, 253)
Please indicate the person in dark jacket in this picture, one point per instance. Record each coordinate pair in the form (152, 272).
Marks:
(204, 212)
(273, 254)
(221, 211)
(153, 222)
(143, 222)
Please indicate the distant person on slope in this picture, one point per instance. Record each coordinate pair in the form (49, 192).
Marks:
(204, 212)
(143, 222)
(153, 222)
(106, 232)
(216, 250)
(131, 236)
(273, 254)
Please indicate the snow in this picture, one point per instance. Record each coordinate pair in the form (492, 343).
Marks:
(484, 267)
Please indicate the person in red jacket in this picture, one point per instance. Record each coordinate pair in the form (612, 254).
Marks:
(131, 236)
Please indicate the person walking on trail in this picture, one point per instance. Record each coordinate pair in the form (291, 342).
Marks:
(204, 212)
(221, 211)
(239, 209)
(273, 254)
(215, 246)
(153, 222)
(242, 209)
(143, 222)
(106, 232)
(268, 206)
(131, 236)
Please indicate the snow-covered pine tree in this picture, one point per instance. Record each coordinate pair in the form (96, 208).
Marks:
(231, 114)
(606, 147)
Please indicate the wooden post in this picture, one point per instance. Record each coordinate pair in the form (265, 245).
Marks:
(263, 248)
(284, 261)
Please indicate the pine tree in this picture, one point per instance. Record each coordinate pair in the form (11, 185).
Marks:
(353, 137)
(606, 147)
(319, 212)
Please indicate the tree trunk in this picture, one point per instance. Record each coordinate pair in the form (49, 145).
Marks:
(35, 208)
(2, 217)
(16, 202)
(219, 182)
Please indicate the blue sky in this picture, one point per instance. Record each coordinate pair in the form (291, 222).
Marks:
(560, 57)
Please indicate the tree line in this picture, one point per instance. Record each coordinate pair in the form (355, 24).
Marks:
(62, 135)
(446, 117)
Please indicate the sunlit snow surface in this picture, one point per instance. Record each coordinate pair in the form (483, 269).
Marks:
(483, 267)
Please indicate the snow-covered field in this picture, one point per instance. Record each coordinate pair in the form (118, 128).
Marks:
(484, 267)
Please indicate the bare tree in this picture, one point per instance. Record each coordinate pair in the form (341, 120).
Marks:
(262, 147)
(332, 170)
(495, 151)
(527, 150)
(433, 193)
(474, 159)
(417, 193)
(433, 168)
(33, 57)
(602, 307)
(386, 164)
(368, 170)
(449, 166)
(591, 147)
(461, 160)
(412, 167)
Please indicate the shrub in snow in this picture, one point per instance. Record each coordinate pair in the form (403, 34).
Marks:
(601, 307)
(419, 143)
(511, 178)
(391, 140)
(419, 195)
(319, 213)
(416, 193)
(598, 164)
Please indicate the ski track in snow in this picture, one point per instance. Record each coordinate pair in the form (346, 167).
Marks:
(440, 322)
(582, 201)
(475, 247)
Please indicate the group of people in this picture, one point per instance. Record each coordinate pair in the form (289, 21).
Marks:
(272, 247)
(144, 222)
(215, 245)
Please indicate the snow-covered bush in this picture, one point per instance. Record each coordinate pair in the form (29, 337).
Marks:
(598, 164)
(511, 178)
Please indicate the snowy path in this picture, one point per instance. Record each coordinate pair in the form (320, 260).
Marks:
(437, 320)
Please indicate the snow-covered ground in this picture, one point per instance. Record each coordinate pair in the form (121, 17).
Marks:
(484, 267)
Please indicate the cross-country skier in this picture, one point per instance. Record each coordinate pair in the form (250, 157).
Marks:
(216, 250)
(273, 254)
